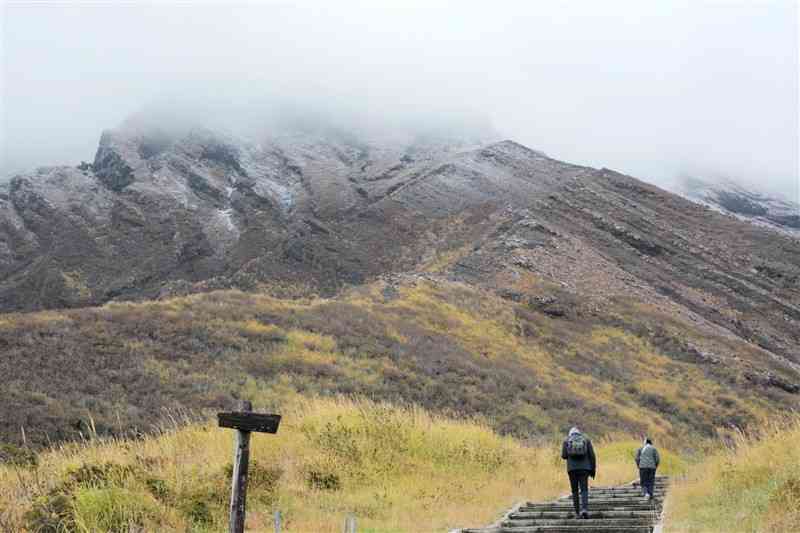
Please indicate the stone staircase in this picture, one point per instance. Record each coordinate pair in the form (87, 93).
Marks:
(620, 509)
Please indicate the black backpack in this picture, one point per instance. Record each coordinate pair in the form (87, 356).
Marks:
(577, 446)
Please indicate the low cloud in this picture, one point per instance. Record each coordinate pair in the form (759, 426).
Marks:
(655, 91)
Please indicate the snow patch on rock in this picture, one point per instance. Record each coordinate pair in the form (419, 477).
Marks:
(226, 215)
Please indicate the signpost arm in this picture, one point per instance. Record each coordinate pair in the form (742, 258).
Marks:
(239, 478)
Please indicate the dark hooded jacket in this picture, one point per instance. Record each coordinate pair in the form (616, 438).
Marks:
(588, 462)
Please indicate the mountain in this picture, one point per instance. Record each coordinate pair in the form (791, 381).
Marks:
(732, 198)
(308, 206)
(468, 276)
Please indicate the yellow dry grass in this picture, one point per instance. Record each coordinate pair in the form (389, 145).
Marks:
(751, 486)
(398, 469)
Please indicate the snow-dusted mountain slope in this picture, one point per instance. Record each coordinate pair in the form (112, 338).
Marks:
(319, 208)
(729, 197)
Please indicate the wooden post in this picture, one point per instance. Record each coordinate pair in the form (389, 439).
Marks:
(239, 481)
(244, 422)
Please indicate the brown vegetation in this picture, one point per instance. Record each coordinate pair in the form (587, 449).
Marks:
(445, 346)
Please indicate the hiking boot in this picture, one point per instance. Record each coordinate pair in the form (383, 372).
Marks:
(584, 514)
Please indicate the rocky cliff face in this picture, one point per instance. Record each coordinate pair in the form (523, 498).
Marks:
(159, 213)
(315, 207)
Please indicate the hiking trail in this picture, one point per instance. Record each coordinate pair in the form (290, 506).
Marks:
(620, 509)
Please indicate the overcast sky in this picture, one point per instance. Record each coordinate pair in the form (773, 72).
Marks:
(653, 89)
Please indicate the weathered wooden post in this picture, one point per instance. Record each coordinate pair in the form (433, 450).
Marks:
(244, 422)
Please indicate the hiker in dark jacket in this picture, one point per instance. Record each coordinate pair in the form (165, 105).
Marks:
(581, 464)
(647, 459)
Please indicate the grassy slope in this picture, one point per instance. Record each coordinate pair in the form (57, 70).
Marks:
(448, 347)
(754, 486)
(396, 469)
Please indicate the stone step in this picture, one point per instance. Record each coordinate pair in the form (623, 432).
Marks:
(592, 509)
(621, 493)
(630, 499)
(613, 502)
(626, 492)
(609, 496)
(626, 488)
(600, 497)
(637, 500)
(562, 529)
(578, 529)
(620, 509)
(657, 486)
(583, 522)
(639, 514)
(603, 502)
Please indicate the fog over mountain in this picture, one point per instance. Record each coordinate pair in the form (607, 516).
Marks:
(655, 91)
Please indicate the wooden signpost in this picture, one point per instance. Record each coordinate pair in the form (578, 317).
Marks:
(244, 422)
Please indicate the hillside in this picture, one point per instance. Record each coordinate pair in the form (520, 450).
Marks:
(467, 277)
(425, 239)
(531, 367)
(315, 210)
(397, 470)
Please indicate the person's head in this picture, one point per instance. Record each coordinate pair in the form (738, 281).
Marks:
(648, 440)
(574, 431)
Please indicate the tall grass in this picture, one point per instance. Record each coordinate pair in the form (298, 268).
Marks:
(398, 469)
(751, 486)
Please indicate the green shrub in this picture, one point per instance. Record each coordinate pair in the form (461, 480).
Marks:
(113, 509)
(321, 480)
(197, 509)
(787, 495)
(158, 488)
(200, 501)
(18, 456)
(53, 513)
(98, 475)
(264, 478)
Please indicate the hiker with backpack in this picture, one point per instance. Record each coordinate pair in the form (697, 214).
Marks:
(647, 459)
(577, 450)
